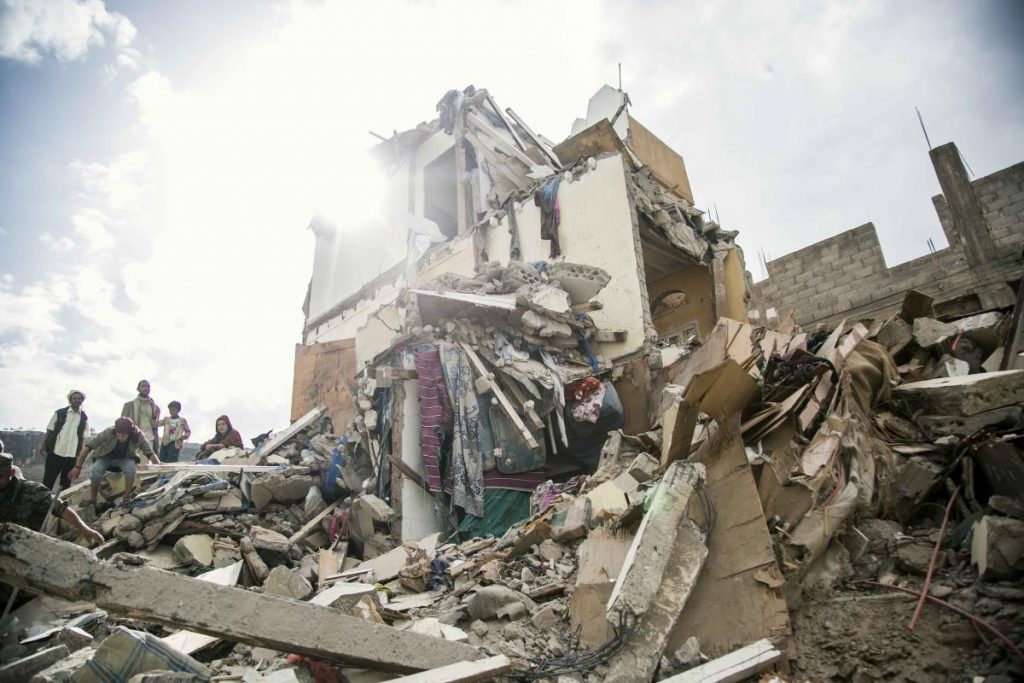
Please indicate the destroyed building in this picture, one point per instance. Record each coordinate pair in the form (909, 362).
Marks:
(547, 443)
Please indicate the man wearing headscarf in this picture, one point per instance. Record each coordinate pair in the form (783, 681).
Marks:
(144, 412)
(64, 438)
(119, 446)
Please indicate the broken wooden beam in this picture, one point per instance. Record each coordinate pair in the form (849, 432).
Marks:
(735, 666)
(463, 672)
(503, 401)
(41, 564)
(312, 524)
(279, 439)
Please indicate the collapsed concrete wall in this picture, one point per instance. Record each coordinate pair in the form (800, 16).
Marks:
(846, 275)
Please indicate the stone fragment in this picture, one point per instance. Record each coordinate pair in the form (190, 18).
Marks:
(479, 628)
(914, 479)
(914, 558)
(1007, 505)
(230, 502)
(929, 331)
(487, 601)
(268, 539)
(314, 503)
(546, 617)
(997, 547)
(286, 583)
(544, 298)
(195, 549)
(379, 510)
(550, 550)
(61, 671)
(569, 520)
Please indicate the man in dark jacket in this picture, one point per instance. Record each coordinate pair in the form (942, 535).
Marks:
(27, 503)
(119, 446)
(64, 438)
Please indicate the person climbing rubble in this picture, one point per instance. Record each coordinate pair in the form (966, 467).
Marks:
(116, 446)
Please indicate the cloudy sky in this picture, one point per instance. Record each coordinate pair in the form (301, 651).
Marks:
(159, 162)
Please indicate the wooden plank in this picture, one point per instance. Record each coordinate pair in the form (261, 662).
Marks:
(463, 672)
(312, 524)
(735, 666)
(495, 137)
(279, 439)
(503, 401)
(320, 370)
(191, 467)
(548, 152)
(41, 564)
(506, 123)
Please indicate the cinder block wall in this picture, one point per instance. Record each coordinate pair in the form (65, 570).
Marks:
(846, 275)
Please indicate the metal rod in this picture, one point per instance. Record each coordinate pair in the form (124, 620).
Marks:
(923, 129)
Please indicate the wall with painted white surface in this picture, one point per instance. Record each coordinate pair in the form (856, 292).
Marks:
(596, 229)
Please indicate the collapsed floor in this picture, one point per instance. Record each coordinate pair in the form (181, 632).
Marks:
(794, 495)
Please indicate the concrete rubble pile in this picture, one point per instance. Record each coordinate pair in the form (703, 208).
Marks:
(503, 500)
(782, 469)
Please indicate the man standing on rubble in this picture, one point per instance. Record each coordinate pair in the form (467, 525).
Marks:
(64, 438)
(144, 412)
(119, 447)
(27, 503)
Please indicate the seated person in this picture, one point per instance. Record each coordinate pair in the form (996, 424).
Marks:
(226, 437)
(118, 446)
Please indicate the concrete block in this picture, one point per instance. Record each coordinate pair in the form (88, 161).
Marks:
(61, 671)
(195, 549)
(997, 548)
(26, 667)
(968, 395)
(286, 583)
(268, 539)
(965, 425)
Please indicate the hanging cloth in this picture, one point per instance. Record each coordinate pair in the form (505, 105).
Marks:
(547, 199)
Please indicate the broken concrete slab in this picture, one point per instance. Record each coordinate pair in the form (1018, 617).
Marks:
(652, 548)
(929, 331)
(968, 395)
(26, 667)
(195, 549)
(379, 510)
(314, 503)
(639, 658)
(286, 583)
(916, 477)
(997, 548)
(178, 601)
(268, 539)
(61, 671)
(342, 595)
(582, 282)
(966, 425)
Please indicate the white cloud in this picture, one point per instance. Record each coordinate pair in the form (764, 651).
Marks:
(3, 231)
(91, 225)
(56, 243)
(68, 29)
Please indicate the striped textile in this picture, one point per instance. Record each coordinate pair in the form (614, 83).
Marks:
(435, 412)
(125, 653)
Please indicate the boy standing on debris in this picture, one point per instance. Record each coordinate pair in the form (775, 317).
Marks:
(176, 431)
(143, 411)
(116, 446)
(64, 438)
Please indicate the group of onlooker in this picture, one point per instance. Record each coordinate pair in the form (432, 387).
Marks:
(136, 433)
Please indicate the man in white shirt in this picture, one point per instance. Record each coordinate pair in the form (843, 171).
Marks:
(65, 435)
